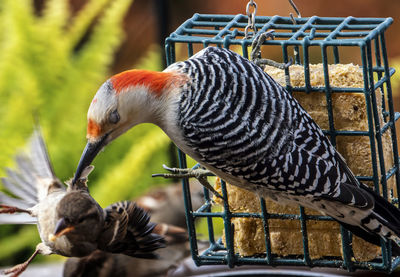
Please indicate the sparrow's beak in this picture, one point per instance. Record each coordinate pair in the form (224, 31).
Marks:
(88, 155)
(61, 229)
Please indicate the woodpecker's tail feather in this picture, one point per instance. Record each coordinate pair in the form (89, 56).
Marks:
(381, 218)
(370, 237)
(382, 222)
(386, 216)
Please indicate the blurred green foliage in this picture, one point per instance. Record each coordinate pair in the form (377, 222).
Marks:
(51, 65)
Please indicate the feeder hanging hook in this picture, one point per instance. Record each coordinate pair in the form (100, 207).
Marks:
(251, 19)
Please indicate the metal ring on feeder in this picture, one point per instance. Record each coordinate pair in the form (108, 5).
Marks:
(251, 19)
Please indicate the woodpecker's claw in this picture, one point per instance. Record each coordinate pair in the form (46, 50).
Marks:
(200, 174)
(255, 54)
(184, 173)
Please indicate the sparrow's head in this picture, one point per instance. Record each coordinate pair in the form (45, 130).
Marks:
(123, 101)
(79, 217)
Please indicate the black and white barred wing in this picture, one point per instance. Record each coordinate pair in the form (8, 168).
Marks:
(31, 180)
(225, 114)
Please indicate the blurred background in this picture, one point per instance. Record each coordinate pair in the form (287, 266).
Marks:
(54, 54)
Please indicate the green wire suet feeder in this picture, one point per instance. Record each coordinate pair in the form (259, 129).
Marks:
(332, 37)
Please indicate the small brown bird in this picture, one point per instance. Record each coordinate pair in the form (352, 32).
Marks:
(70, 222)
(105, 264)
(165, 205)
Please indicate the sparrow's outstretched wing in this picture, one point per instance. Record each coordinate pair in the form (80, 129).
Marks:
(31, 180)
(43, 174)
(128, 231)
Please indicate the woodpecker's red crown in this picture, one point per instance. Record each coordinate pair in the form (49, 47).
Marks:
(155, 81)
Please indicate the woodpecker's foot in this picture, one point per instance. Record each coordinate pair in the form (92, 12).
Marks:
(258, 41)
(255, 54)
(184, 173)
(19, 268)
(5, 209)
(263, 62)
(200, 174)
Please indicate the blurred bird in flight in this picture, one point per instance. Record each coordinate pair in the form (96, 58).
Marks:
(70, 222)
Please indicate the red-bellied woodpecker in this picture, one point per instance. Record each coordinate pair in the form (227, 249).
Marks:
(236, 121)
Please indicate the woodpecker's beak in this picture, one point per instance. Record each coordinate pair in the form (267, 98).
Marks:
(88, 155)
(61, 229)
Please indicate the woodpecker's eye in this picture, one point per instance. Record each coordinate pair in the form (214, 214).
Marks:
(114, 117)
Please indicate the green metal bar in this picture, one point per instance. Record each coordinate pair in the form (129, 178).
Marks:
(204, 207)
(245, 51)
(293, 262)
(227, 215)
(379, 85)
(271, 24)
(287, 73)
(277, 41)
(378, 134)
(332, 89)
(386, 250)
(335, 50)
(265, 217)
(392, 119)
(328, 97)
(324, 22)
(339, 28)
(303, 226)
(346, 249)
(190, 49)
(380, 75)
(207, 208)
(367, 94)
(306, 64)
(259, 215)
(303, 28)
(231, 24)
(188, 210)
(345, 236)
(346, 133)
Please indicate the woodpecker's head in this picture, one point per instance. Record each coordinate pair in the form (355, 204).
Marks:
(123, 101)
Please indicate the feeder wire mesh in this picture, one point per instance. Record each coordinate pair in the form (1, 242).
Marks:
(327, 34)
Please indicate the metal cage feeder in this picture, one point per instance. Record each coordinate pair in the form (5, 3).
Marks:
(333, 36)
